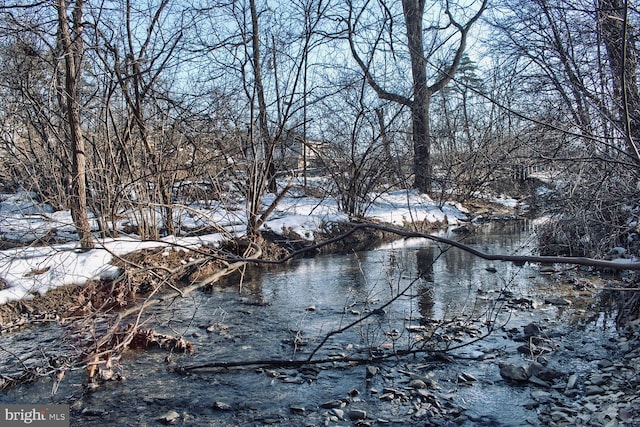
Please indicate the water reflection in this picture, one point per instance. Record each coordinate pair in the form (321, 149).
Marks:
(425, 301)
(425, 258)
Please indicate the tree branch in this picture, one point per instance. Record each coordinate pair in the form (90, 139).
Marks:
(463, 30)
(380, 91)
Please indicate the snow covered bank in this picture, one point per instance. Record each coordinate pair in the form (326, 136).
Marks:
(27, 271)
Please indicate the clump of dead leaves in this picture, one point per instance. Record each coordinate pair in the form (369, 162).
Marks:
(103, 367)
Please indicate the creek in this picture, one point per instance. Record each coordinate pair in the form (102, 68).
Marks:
(284, 312)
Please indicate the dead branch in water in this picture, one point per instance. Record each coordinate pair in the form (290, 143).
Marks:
(516, 259)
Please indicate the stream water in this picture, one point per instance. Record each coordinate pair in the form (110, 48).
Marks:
(284, 313)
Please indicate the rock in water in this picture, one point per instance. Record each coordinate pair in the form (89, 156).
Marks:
(169, 418)
(531, 330)
(572, 381)
(543, 372)
(332, 404)
(372, 371)
(338, 413)
(221, 406)
(357, 414)
(513, 372)
(557, 301)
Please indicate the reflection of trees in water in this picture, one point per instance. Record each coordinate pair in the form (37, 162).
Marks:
(425, 259)
(425, 301)
(353, 274)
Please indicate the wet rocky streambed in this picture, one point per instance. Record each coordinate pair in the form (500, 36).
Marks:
(535, 345)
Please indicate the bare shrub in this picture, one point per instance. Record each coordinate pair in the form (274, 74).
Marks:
(592, 215)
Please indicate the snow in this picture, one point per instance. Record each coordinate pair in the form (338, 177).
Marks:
(31, 270)
(506, 201)
(403, 207)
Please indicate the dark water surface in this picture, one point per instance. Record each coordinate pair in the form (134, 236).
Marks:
(284, 312)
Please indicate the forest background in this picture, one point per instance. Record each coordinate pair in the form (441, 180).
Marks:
(117, 108)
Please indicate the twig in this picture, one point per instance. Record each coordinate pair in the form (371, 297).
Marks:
(361, 319)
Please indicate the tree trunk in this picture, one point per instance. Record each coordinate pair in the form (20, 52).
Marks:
(162, 187)
(266, 170)
(422, 167)
(72, 51)
(619, 41)
(413, 14)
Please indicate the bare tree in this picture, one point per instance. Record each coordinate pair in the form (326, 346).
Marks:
(620, 38)
(579, 69)
(265, 60)
(421, 90)
(143, 104)
(72, 46)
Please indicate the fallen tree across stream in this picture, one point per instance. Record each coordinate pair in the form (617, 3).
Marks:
(616, 265)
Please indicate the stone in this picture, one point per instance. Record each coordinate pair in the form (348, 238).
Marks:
(394, 391)
(558, 416)
(604, 363)
(572, 393)
(169, 417)
(512, 372)
(466, 378)
(297, 409)
(593, 390)
(371, 371)
(417, 383)
(557, 301)
(540, 395)
(424, 393)
(572, 381)
(537, 381)
(387, 397)
(599, 380)
(625, 414)
(357, 414)
(563, 409)
(332, 404)
(542, 372)
(93, 412)
(532, 330)
(339, 413)
(78, 404)
(221, 406)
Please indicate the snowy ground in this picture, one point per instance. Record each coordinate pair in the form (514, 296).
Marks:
(26, 271)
